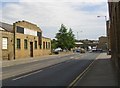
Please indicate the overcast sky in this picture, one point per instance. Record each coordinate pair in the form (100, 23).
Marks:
(80, 15)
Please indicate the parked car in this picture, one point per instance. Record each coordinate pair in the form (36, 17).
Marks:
(57, 50)
(94, 49)
(82, 50)
(78, 50)
(90, 51)
(109, 52)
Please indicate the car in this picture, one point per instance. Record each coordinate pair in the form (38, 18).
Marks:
(94, 50)
(99, 50)
(109, 52)
(82, 50)
(57, 50)
(90, 51)
(78, 50)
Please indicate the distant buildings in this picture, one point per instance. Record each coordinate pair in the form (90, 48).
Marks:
(22, 40)
(103, 41)
(86, 43)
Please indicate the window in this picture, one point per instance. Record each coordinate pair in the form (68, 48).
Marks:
(43, 45)
(25, 44)
(18, 44)
(46, 45)
(49, 45)
(4, 43)
(35, 44)
(20, 30)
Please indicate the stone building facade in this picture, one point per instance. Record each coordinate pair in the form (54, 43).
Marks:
(6, 39)
(114, 14)
(102, 43)
(108, 36)
(24, 41)
(0, 45)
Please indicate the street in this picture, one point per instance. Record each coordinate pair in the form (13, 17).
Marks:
(68, 44)
(61, 74)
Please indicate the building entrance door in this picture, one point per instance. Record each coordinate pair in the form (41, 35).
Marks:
(31, 49)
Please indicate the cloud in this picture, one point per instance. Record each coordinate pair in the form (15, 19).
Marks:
(50, 15)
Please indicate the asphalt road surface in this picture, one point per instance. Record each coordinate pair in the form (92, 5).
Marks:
(61, 74)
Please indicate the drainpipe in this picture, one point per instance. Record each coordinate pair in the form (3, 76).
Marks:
(14, 39)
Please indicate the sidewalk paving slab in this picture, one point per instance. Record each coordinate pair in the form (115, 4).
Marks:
(101, 73)
(7, 63)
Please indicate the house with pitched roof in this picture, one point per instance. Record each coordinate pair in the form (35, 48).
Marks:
(23, 40)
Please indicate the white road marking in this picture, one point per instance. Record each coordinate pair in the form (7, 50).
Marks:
(27, 75)
(71, 57)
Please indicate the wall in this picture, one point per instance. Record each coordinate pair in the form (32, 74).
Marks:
(102, 43)
(114, 13)
(46, 50)
(0, 45)
(7, 54)
(108, 35)
(25, 53)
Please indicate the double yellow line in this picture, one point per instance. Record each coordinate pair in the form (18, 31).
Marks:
(80, 76)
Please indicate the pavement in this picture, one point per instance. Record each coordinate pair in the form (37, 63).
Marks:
(100, 73)
(7, 63)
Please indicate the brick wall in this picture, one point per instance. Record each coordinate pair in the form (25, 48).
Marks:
(24, 53)
(8, 53)
(0, 45)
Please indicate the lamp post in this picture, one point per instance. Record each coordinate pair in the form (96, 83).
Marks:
(105, 29)
(105, 17)
(78, 34)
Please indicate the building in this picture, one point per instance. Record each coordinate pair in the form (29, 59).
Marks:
(78, 45)
(108, 35)
(0, 45)
(6, 41)
(102, 43)
(86, 44)
(23, 39)
(114, 14)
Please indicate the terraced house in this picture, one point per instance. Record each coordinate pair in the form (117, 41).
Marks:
(23, 39)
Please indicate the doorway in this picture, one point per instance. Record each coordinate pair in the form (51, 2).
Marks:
(31, 49)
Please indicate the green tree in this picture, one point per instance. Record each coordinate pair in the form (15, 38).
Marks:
(53, 44)
(71, 39)
(65, 40)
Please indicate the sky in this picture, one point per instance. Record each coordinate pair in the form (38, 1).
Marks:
(79, 15)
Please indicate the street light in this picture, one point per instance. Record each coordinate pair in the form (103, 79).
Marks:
(78, 34)
(105, 26)
(105, 21)
(103, 16)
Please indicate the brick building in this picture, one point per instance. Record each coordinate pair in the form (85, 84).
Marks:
(6, 41)
(23, 39)
(114, 14)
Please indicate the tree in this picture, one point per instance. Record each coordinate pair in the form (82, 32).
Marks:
(71, 39)
(65, 40)
(53, 44)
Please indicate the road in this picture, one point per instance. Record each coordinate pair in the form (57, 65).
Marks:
(36, 65)
(61, 74)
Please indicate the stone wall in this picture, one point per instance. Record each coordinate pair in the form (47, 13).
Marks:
(8, 54)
